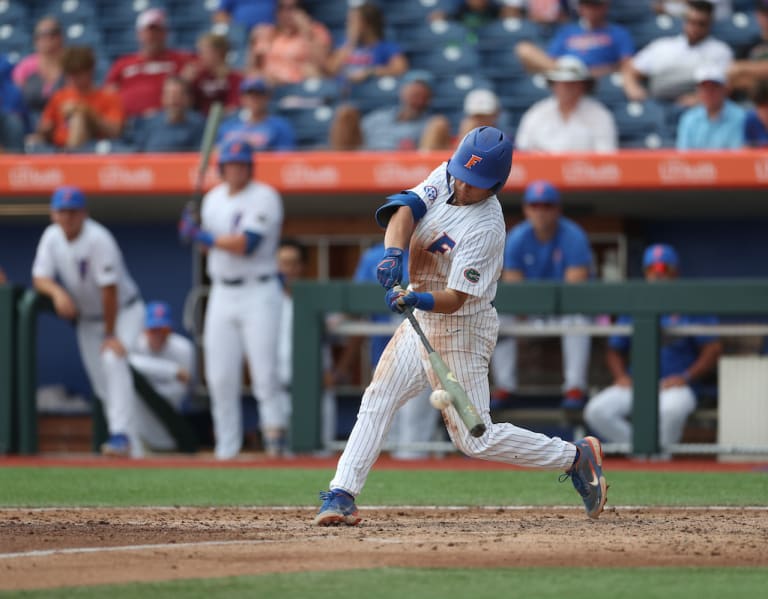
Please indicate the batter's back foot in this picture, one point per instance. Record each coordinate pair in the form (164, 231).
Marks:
(338, 508)
(587, 476)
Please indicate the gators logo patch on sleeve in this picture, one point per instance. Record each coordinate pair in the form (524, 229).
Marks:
(471, 275)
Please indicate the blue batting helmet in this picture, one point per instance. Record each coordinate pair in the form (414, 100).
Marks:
(483, 159)
(236, 150)
(67, 197)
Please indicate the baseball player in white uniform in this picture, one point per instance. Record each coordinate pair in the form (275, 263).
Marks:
(166, 359)
(240, 230)
(454, 226)
(79, 265)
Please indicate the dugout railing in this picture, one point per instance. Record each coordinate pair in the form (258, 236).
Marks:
(643, 301)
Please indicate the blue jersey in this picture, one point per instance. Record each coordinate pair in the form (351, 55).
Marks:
(677, 353)
(548, 261)
(755, 132)
(250, 12)
(601, 47)
(366, 273)
(273, 133)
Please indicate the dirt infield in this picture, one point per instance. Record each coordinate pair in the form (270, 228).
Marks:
(73, 547)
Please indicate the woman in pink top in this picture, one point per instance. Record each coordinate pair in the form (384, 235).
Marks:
(295, 48)
(40, 74)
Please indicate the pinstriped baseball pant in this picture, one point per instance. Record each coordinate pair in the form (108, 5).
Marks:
(466, 343)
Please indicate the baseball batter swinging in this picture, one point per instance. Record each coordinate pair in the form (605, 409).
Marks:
(241, 223)
(454, 226)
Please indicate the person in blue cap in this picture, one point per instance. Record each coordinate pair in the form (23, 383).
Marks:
(683, 361)
(166, 359)
(79, 265)
(547, 246)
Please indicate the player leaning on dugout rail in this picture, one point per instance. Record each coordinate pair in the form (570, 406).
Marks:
(453, 224)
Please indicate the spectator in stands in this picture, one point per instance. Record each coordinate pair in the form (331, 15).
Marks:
(473, 14)
(166, 360)
(752, 62)
(756, 121)
(545, 12)
(545, 247)
(138, 78)
(365, 52)
(14, 118)
(722, 9)
(410, 125)
(177, 128)
(40, 74)
(211, 77)
(246, 13)
(668, 63)
(682, 361)
(604, 47)
(483, 109)
(295, 48)
(80, 113)
(716, 123)
(254, 123)
(569, 120)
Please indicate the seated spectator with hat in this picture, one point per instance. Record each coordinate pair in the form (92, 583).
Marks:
(254, 124)
(569, 120)
(716, 123)
(483, 109)
(410, 125)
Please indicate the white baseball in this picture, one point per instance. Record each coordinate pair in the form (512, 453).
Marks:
(440, 399)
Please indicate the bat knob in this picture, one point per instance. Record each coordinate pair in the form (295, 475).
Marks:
(478, 430)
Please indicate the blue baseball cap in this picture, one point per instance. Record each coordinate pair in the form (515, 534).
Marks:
(541, 192)
(660, 254)
(67, 198)
(255, 84)
(158, 316)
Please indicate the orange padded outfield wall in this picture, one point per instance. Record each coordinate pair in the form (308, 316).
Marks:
(318, 172)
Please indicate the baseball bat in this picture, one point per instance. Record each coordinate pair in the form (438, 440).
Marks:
(206, 148)
(464, 408)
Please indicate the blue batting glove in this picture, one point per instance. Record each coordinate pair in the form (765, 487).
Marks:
(389, 272)
(205, 238)
(188, 229)
(398, 299)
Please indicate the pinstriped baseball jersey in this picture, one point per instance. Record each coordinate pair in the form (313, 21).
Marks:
(459, 247)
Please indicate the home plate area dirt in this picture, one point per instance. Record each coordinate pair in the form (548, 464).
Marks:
(72, 547)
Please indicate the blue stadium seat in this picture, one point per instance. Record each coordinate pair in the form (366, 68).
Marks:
(447, 61)
(311, 125)
(330, 14)
(501, 63)
(609, 90)
(85, 33)
(636, 120)
(408, 12)
(192, 13)
(71, 11)
(374, 93)
(629, 11)
(449, 92)
(419, 37)
(310, 93)
(738, 32)
(123, 14)
(15, 40)
(519, 94)
(647, 30)
(506, 33)
(14, 11)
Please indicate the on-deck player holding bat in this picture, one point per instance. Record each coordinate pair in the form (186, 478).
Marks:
(454, 226)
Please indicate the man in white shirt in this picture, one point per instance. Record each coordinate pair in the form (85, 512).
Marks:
(79, 265)
(166, 360)
(569, 120)
(668, 63)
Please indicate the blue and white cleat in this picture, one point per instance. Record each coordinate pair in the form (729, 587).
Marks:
(117, 445)
(338, 508)
(587, 476)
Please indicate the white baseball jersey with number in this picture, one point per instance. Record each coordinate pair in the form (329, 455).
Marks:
(461, 248)
(86, 264)
(243, 313)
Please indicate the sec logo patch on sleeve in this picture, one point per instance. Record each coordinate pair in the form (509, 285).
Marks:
(471, 275)
(430, 193)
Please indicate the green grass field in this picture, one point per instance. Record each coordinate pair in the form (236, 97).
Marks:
(68, 486)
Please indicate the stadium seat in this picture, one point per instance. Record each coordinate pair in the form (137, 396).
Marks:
(449, 92)
(330, 14)
(311, 125)
(85, 33)
(408, 12)
(647, 30)
(15, 40)
(738, 32)
(374, 93)
(506, 33)
(71, 11)
(501, 63)
(14, 11)
(448, 60)
(629, 11)
(192, 13)
(636, 120)
(122, 14)
(609, 90)
(310, 93)
(419, 37)
(519, 94)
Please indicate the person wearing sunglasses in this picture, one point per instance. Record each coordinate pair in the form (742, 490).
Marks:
(682, 362)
